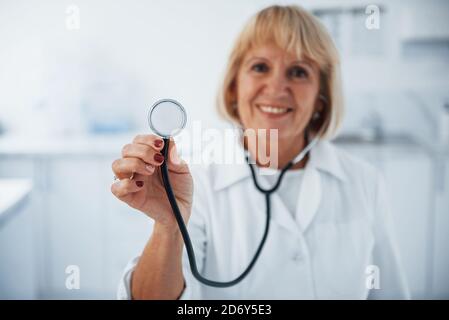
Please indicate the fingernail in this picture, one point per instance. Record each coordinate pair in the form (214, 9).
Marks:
(139, 184)
(149, 168)
(158, 143)
(158, 157)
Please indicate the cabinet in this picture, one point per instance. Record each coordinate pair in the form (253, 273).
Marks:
(425, 21)
(440, 279)
(408, 173)
(75, 221)
(409, 178)
(17, 272)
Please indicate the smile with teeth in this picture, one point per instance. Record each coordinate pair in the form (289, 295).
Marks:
(273, 110)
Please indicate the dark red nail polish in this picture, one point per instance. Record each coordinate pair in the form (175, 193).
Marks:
(158, 143)
(139, 184)
(158, 157)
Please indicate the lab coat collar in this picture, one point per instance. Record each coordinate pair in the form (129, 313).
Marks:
(323, 157)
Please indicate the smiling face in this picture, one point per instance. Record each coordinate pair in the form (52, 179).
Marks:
(276, 90)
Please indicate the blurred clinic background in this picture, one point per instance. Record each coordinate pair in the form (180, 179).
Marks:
(77, 78)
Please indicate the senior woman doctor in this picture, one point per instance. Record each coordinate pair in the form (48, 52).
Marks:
(330, 234)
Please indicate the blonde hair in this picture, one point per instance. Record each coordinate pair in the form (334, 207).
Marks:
(295, 30)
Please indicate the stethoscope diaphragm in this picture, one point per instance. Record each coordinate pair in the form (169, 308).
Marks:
(167, 118)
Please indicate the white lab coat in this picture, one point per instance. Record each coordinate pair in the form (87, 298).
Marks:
(342, 229)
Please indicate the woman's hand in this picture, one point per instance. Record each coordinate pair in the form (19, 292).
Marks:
(145, 191)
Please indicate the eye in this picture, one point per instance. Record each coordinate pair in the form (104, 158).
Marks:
(260, 67)
(298, 72)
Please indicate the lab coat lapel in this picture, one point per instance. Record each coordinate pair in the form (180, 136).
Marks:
(323, 160)
(309, 197)
(281, 215)
(279, 211)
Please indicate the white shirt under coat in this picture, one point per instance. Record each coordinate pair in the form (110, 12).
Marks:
(342, 227)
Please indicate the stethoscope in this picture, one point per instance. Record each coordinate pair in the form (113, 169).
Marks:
(167, 118)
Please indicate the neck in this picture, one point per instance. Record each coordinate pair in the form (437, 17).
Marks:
(287, 149)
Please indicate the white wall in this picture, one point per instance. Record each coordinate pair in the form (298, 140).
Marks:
(128, 53)
(125, 55)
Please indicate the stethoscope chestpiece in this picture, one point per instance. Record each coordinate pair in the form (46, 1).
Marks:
(167, 118)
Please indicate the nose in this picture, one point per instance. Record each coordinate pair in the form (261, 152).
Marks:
(277, 84)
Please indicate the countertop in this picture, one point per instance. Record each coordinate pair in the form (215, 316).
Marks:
(13, 192)
(94, 145)
(111, 145)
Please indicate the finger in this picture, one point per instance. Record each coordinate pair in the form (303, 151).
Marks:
(144, 152)
(126, 167)
(125, 187)
(150, 140)
(175, 162)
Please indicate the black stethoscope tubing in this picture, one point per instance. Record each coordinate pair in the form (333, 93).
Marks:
(183, 228)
